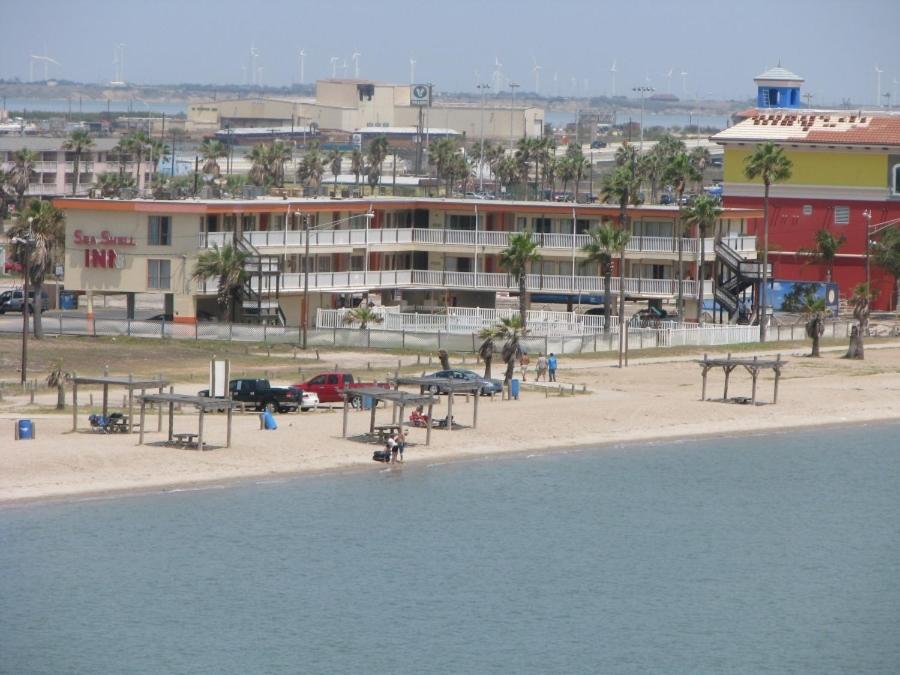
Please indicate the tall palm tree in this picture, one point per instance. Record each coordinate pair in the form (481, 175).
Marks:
(680, 171)
(651, 167)
(516, 259)
(259, 164)
(440, 156)
(606, 242)
(700, 158)
(279, 154)
(311, 166)
(378, 152)
(137, 144)
(228, 265)
(335, 160)
(702, 215)
(526, 153)
(78, 142)
(211, 151)
(813, 310)
(859, 301)
(111, 183)
(565, 170)
(507, 172)
(6, 189)
(357, 161)
(887, 256)
(622, 187)
(486, 349)
(825, 250)
(578, 165)
(769, 163)
(23, 173)
(44, 225)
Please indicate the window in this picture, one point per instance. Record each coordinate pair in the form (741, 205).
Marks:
(319, 379)
(896, 179)
(159, 231)
(461, 222)
(841, 215)
(159, 274)
(542, 225)
(807, 209)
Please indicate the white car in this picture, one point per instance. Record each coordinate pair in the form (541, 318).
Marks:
(310, 401)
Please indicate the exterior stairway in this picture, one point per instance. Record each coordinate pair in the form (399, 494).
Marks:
(264, 274)
(734, 275)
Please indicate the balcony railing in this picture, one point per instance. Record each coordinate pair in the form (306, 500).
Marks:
(549, 283)
(282, 239)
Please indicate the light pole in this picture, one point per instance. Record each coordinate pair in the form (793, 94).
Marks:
(27, 242)
(642, 91)
(867, 216)
(512, 86)
(483, 88)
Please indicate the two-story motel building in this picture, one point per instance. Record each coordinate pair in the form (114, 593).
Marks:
(414, 252)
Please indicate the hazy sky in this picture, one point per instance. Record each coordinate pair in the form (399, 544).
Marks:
(721, 45)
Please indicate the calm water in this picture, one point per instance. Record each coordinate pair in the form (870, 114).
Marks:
(775, 553)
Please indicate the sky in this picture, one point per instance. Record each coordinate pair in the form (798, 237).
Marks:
(720, 45)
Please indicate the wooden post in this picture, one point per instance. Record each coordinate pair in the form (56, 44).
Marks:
(159, 414)
(450, 410)
(402, 412)
(475, 411)
(755, 373)
(200, 431)
(705, 371)
(777, 376)
(141, 430)
(74, 403)
(372, 417)
(228, 425)
(430, 418)
(171, 414)
(346, 410)
(727, 375)
(105, 399)
(131, 404)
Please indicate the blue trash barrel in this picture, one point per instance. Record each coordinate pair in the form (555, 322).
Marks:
(367, 402)
(68, 300)
(514, 388)
(24, 430)
(269, 420)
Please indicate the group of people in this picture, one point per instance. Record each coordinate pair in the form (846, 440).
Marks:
(545, 368)
(395, 445)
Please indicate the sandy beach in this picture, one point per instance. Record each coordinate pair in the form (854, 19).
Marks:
(655, 398)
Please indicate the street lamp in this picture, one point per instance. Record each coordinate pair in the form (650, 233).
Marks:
(483, 88)
(642, 90)
(512, 86)
(27, 241)
(867, 216)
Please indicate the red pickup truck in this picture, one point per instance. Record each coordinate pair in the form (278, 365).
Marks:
(330, 385)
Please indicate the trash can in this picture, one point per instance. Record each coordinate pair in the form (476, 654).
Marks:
(68, 300)
(24, 430)
(367, 402)
(268, 420)
(514, 388)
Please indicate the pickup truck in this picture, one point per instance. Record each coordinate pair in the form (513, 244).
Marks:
(263, 395)
(329, 386)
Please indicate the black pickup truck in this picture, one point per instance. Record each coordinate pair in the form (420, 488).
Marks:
(262, 395)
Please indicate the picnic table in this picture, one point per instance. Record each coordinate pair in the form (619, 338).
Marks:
(184, 440)
(385, 430)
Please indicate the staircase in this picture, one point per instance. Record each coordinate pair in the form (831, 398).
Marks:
(734, 275)
(257, 301)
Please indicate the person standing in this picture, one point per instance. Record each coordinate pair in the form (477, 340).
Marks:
(551, 366)
(392, 448)
(541, 367)
(524, 361)
(401, 444)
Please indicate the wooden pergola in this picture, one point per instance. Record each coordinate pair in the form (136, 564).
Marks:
(130, 383)
(448, 384)
(204, 404)
(398, 398)
(752, 365)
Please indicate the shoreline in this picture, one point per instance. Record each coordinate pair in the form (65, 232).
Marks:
(419, 463)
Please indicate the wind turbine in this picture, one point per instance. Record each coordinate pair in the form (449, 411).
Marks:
(556, 83)
(412, 70)
(254, 68)
(684, 84)
(498, 74)
(537, 76)
(344, 69)
(355, 59)
(302, 58)
(878, 72)
(669, 78)
(334, 62)
(613, 71)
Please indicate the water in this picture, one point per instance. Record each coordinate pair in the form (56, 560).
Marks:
(87, 105)
(775, 553)
(559, 118)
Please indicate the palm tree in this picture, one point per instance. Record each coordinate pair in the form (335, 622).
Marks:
(78, 142)
(813, 310)
(527, 151)
(651, 168)
(700, 158)
(279, 154)
(679, 172)
(311, 166)
(334, 160)
(211, 151)
(703, 215)
(622, 187)
(887, 255)
(565, 169)
(44, 225)
(769, 163)
(356, 164)
(228, 264)
(515, 259)
(825, 250)
(259, 164)
(111, 184)
(378, 152)
(23, 173)
(486, 349)
(57, 378)
(577, 165)
(511, 330)
(859, 301)
(136, 144)
(507, 172)
(6, 180)
(120, 154)
(606, 242)
(440, 155)
(363, 315)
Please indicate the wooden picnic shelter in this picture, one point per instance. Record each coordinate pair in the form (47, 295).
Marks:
(449, 385)
(400, 399)
(752, 365)
(204, 404)
(129, 382)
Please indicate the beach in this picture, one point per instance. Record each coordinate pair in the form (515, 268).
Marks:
(651, 399)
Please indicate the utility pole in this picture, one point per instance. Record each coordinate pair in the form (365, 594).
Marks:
(27, 241)
(512, 86)
(483, 88)
(305, 308)
(642, 91)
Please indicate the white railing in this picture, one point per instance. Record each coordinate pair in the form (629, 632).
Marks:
(484, 238)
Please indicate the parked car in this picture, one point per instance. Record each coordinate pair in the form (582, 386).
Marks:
(653, 315)
(329, 387)
(12, 267)
(201, 316)
(263, 395)
(12, 301)
(488, 387)
(595, 145)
